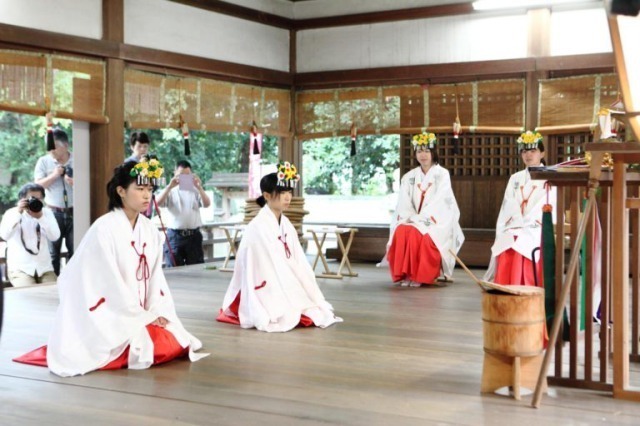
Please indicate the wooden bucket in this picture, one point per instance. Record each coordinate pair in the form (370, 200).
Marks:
(513, 325)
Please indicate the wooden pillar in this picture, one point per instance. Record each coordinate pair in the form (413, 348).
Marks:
(538, 44)
(107, 148)
(291, 147)
(620, 279)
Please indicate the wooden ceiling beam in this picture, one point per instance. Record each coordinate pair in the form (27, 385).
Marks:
(455, 72)
(422, 74)
(384, 16)
(462, 8)
(62, 43)
(212, 67)
(56, 42)
(240, 12)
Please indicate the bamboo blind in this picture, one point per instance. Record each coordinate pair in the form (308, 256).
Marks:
(160, 101)
(70, 87)
(575, 101)
(442, 104)
(501, 103)
(496, 104)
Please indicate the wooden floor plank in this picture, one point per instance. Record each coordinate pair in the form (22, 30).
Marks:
(402, 356)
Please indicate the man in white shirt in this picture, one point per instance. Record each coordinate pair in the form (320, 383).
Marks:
(54, 172)
(27, 228)
(183, 198)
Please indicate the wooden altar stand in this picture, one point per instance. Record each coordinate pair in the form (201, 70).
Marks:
(590, 363)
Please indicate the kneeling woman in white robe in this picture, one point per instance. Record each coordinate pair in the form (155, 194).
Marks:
(273, 287)
(519, 225)
(427, 220)
(116, 310)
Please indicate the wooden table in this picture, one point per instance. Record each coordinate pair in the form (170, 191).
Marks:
(233, 234)
(344, 250)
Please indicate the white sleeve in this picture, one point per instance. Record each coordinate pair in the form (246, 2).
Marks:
(9, 221)
(49, 225)
(40, 170)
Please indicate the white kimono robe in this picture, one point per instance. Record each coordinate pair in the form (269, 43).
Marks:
(275, 290)
(104, 307)
(520, 216)
(439, 214)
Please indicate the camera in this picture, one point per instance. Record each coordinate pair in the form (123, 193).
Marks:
(68, 170)
(34, 204)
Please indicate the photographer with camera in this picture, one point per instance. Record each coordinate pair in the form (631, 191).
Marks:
(27, 228)
(54, 172)
(183, 197)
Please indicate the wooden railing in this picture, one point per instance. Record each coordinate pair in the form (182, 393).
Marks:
(585, 360)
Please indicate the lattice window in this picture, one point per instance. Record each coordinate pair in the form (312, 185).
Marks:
(566, 146)
(479, 155)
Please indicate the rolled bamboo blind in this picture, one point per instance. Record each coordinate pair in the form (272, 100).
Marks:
(572, 103)
(158, 101)
(35, 83)
(496, 105)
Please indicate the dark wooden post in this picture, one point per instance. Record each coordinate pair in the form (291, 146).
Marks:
(107, 149)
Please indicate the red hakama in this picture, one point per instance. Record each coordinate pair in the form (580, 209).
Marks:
(512, 268)
(305, 321)
(413, 256)
(165, 348)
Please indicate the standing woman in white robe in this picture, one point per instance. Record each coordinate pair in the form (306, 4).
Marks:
(519, 226)
(116, 310)
(273, 287)
(427, 220)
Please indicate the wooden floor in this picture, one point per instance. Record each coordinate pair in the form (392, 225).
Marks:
(403, 356)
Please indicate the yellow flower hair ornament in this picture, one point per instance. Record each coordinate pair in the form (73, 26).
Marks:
(529, 140)
(148, 172)
(424, 140)
(287, 175)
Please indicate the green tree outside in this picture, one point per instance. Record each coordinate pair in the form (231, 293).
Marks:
(329, 168)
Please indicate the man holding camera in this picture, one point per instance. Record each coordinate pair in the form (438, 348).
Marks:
(183, 197)
(54, 172)
(27, 228)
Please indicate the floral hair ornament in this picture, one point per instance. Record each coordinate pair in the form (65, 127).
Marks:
(424, 140)
(287, 175)
(529, 140)
(148, 172)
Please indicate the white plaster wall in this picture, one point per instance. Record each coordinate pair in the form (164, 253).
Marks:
(160, 24)
(73, 17)
(416, 42)
(81, 181)
(580, 32)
